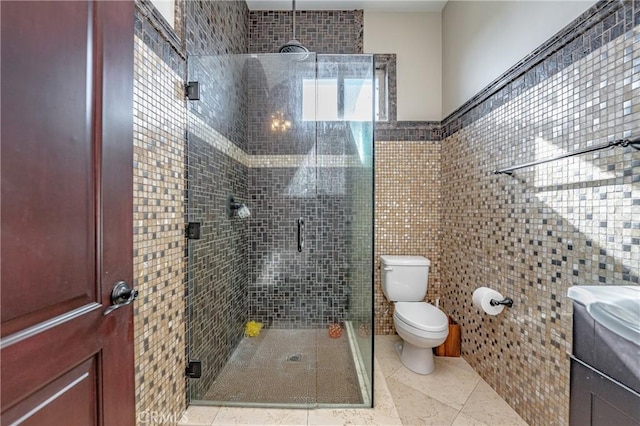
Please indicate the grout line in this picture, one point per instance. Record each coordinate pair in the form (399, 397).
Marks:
(455, 418)
(393, 372)
(469, 397)
(215, 416)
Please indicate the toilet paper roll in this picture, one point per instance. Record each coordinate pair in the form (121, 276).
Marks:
(482, 300)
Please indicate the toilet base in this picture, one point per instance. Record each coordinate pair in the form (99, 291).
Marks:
(418, 360)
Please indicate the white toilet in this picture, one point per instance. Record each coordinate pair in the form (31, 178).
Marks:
(421, 325)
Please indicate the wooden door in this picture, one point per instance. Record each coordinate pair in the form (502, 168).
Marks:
(66, 212)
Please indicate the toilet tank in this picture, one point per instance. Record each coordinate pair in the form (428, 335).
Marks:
(404, 278)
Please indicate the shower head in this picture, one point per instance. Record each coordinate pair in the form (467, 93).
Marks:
(295, 50)
(293, 45)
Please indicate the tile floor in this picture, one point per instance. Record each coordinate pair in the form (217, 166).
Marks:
(454, 394)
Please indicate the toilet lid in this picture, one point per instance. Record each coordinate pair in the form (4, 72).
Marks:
(422, 315)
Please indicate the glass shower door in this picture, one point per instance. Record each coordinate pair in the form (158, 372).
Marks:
(283, 285)
(345, 112)
(288, 136)
(218, 255)
(282, 179)
(247, 140)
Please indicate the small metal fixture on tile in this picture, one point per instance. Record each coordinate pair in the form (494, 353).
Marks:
(300, 234)
(194, 369)
(192, 231)
(237, 209)
(192, 90)
(507, 301)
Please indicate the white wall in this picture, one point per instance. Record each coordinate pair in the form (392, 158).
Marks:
(416, 39)
(483, 39)
(166, 9)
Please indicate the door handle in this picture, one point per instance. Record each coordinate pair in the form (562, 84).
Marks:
(300, 234)
(121, 295)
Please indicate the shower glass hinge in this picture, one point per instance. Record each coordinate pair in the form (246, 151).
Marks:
(194, 370)
(192, 90)
(192, 231)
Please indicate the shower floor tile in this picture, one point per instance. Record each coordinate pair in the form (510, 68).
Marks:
(289, 367)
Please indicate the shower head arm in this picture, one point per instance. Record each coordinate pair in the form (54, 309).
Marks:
(293, 45)
(293, 8)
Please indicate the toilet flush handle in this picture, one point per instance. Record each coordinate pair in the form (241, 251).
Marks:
(388, 268)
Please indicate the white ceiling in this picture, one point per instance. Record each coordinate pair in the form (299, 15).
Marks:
(369, 5)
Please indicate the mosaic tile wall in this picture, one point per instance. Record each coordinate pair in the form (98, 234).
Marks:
(320, 285)
(603, 22)
(156, 33)
(218, 261)
(159, 264)
(285, 286)
(534, 234)
(219, 28)
(423, 131)
(408, 198)
(329, 31)
(273, 88)
(361, 252)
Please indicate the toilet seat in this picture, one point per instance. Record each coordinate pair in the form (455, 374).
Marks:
(422, 316)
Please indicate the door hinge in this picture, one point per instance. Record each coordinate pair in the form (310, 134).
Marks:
(194, 370)
(192, 90)
(192, 231)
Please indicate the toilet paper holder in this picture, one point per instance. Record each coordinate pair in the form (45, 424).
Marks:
(507, 301)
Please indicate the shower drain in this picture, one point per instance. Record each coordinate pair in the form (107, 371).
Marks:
(294, 358)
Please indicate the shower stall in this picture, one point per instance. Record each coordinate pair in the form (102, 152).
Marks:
(280, 212)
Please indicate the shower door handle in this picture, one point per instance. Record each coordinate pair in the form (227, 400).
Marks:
(300, 234)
